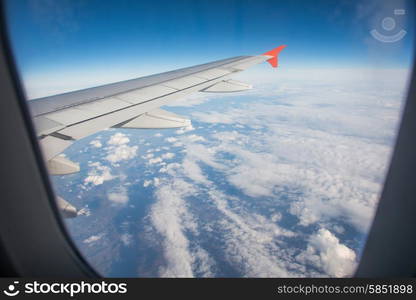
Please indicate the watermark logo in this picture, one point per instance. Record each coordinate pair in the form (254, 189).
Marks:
(68, 288)
(12, 290)
(388, 24)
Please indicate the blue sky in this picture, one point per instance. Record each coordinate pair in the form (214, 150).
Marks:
(134, 38)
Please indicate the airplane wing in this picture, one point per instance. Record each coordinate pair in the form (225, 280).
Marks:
(62, 119)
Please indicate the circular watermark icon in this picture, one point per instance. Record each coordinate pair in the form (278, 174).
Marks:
(388, 24)
(11, 290)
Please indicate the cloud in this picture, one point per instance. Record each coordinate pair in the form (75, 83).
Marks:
(119, 150)
(170, 218)
(118, 196)
(334, 180)
(171, 139)
(96, 144)
(195, 138)
(178, 144)
(148, 156)
(118, 139)
(192, 170)
(250, 242)
(126, 239)
(98, 174)
(123, 152)
(325, 252)
(155, 181)
(155, 160)
(170, 168)
(214, 117)
(206, 155)
(93, 238)
(194, 99)
(185, 129)
(249, 237)
(168, 155)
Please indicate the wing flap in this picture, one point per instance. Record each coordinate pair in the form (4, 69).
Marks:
(60, 165)
(156, 119)
(52, 146)
(228, 86)
(86, 128)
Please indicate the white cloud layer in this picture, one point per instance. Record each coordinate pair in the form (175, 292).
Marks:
(321, 144)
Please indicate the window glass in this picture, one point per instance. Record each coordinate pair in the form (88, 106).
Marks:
(279, 180)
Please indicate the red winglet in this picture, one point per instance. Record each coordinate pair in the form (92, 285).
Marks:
(275, 52)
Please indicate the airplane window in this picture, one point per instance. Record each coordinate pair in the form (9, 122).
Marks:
(262, 155)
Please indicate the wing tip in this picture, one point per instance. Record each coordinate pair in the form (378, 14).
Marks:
(274, 52)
